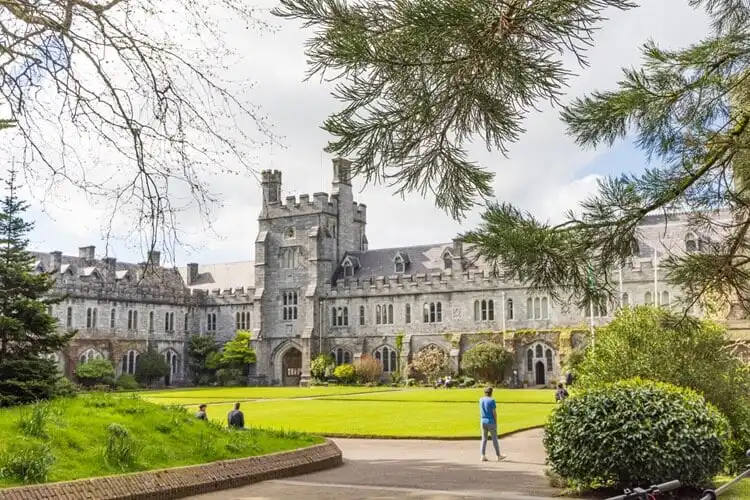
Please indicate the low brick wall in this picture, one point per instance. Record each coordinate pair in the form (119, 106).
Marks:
(185, 481)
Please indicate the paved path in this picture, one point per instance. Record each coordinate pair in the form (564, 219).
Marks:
(416, 470)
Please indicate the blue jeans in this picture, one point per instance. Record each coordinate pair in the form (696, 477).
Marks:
(489, 430)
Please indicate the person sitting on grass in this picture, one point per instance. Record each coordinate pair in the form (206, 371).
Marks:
(201, 415)
(561, 393)
(235, 418)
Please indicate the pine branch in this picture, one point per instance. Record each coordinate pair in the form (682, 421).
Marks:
(690, 109)
(420, 79)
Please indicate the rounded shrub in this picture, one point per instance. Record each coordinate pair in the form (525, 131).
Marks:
(346, 374)
(635, 433)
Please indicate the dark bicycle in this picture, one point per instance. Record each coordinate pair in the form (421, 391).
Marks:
(649, 493)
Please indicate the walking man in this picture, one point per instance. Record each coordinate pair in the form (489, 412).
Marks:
(488, 417)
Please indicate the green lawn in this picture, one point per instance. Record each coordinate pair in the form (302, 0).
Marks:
(455, 396)
(381, 418)
(367, 411)
(738, 491)
(73, 437)
(231, 394)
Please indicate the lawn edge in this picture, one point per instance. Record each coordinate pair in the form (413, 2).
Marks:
(180, 482)
(421, 438)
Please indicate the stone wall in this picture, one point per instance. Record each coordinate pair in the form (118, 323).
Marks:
(186, 481)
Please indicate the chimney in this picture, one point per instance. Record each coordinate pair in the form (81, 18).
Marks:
(154, 258)
(87, 253)
(55, 260)
(192, 274)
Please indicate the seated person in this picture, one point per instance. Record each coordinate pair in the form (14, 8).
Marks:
(201, 415)
(235, 418)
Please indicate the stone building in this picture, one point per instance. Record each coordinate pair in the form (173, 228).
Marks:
(315, 286)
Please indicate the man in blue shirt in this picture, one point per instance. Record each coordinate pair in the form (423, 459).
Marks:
(488, 418)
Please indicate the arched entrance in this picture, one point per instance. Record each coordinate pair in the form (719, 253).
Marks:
(291, 367)
(540, 375)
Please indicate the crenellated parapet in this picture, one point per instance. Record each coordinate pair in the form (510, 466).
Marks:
(641, 271)
(218, 297)
(108, 291)
(304, 205)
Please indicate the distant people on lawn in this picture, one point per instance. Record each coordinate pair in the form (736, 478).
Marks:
(488, 421)
(569, 379)
(201, 415)
(561, 393)
(235, 418)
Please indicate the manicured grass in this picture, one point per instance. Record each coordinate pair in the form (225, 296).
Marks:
(332, 417)
(455, 396)
(231, 394)
(74, 434)
(738, 491)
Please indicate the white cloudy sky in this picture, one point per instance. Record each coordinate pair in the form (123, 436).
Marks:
(545, 173)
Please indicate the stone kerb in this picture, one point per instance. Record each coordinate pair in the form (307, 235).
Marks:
(186, 481)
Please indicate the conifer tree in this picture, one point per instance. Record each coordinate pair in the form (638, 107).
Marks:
(28, 332)
(689, 110)
(421, 79)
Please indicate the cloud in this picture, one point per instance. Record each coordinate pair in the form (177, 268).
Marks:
(543, 173)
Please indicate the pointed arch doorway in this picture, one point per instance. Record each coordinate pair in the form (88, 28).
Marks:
(291, 366)
(541, 378)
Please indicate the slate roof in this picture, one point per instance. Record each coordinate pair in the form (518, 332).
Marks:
(99, 269)
(380, 262)
(223, 276)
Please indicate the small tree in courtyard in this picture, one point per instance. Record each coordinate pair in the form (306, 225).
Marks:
(151, 367)
(653, 343)
(487, 362)
(368, 369)
(28, 332)
(200, 349)
(96, 372)
(235, 358)
(431, 362)
(322, 366)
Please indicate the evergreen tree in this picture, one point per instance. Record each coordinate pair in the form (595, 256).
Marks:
(151, 367)
(690, 110)
(28, 332)
(419, 79)
(200, 349)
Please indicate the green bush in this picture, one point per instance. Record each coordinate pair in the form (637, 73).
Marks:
(64, 388)
(34, 423)
(487, 362)
(27, 380)
(346, 374)
(127, 382)
(322, 366)
(27, 463)
(368, 370)
(635, 433)
(120, 450)
(96, 372)
(655, 344)
(230, 377)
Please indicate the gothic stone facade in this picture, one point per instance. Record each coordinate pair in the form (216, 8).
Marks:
(315, 286)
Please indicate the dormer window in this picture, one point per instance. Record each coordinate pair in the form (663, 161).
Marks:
(348, 269)
(447, 260)
(691, 243)
(635, 249)
(399, 262)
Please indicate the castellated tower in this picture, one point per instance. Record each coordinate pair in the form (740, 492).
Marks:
(299, 244)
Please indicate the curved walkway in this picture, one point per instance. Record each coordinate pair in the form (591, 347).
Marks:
(419, 470)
